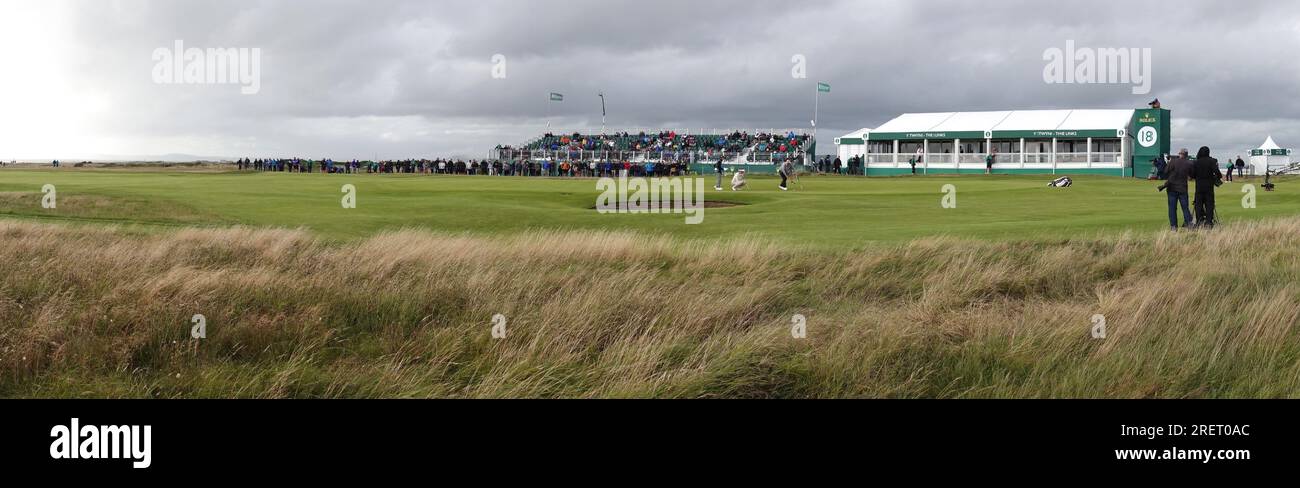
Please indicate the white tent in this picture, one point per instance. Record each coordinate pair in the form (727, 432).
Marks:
(1269, 156)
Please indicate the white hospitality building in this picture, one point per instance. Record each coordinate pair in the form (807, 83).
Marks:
(1025, 141)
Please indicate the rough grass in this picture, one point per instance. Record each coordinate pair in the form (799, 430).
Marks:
(95, 312)
(102, 209)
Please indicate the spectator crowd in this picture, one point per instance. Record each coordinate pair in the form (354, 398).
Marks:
(664, 153)
(466, 167)
(664, 145)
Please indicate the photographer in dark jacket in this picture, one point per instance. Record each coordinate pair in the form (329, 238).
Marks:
(1177, 173)
(1206, 173)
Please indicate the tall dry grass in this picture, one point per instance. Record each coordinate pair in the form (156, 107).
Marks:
(96, 312)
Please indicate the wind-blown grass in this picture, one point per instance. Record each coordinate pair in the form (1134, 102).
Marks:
(95, 312)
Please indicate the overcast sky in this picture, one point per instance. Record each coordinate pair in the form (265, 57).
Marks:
(360, 79)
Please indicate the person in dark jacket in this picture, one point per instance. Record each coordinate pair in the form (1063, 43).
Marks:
(1178, 172)
(718, 168)
(1206, 173)
(1241, 166)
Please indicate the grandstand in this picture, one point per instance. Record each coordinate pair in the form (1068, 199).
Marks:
(757, 151)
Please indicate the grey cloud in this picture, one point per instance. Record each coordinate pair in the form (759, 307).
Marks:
(411, 78)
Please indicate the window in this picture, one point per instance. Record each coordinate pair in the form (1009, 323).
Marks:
(1071, 145)
(880, 147)
(940, 147)
(1105, 145)
(972, 147)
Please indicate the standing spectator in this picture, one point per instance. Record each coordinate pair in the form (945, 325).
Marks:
(1206, 173)
(1179, 171)
(717, 167)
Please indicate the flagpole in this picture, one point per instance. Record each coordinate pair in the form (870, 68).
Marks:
(602, 112)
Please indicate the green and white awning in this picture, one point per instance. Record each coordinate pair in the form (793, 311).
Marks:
(855, 138)
(1269, 148)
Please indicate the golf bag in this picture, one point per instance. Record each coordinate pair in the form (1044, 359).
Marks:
(1061, 182)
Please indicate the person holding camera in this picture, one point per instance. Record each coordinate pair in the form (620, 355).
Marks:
(1176, 176)
(1207, 175)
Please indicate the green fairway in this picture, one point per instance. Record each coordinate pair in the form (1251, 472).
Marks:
(823, 210)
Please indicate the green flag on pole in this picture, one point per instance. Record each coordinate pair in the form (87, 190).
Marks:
(556, 97)
(823, 87)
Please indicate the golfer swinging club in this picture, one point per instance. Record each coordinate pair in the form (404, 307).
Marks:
(786, 170)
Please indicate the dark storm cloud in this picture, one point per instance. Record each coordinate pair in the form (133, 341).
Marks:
(411, 78)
